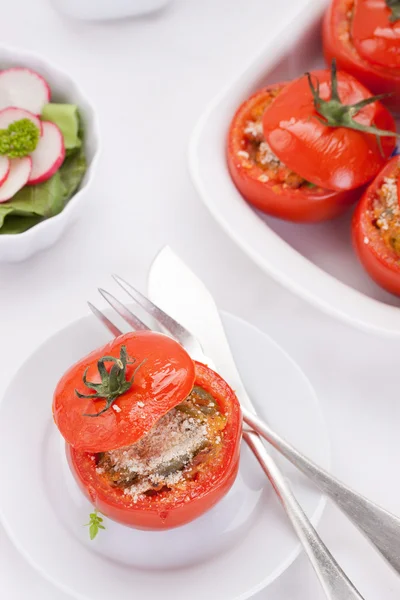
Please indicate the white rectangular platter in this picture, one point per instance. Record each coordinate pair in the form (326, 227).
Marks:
(315, 261)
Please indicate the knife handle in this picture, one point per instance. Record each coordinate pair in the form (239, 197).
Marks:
(334, 581)
(380, 526)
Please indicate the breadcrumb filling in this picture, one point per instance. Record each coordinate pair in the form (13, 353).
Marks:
(254, 150)
(180, 443)
(385, 214)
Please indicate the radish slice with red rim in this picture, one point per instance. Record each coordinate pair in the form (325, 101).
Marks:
(49, 154)
(23, 88)
(4, 168)
(18, 176)
(12, 113)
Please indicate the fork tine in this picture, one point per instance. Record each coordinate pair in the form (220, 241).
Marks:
(123, 311)
(173, 327)
(105, 320)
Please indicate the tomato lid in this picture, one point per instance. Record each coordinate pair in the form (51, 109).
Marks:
(376, 32)
(336, 157)
(137, 378)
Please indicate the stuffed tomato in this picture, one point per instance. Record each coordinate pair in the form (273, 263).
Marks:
(152, 437)
(264, 180)
(364, 38)
(376, 228)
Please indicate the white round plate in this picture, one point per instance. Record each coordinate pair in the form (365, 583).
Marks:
(236, 549)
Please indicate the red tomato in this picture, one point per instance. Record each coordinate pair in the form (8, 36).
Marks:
(337, 158)
(274, 188)
(171, 508)
(374, 245)
(163, 380)
(375, 37)
(366, 44)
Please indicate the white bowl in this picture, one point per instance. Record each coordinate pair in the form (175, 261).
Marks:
(107, 9)
(17, 247)
(315, 261)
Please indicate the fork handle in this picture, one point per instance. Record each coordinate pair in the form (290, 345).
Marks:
(380, 526)
(334, 581)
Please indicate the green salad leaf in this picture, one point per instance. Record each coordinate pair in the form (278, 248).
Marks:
(34, 203)
(18, 224)
(4, 211)
(71, 172)
(44, 199)
(66, 117)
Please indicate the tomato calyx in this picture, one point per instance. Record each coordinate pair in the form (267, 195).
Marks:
(394, 7)
(336, 114)
(113, 383)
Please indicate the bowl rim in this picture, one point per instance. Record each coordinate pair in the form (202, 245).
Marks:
(39, 228)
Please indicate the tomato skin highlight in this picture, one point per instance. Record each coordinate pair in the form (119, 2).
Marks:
(380, 262)
(163, 380)
(336, 158)
(174, 510)
(302, 205)
(337, 43)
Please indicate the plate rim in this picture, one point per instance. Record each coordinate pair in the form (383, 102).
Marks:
(384, 319)
(278, 571)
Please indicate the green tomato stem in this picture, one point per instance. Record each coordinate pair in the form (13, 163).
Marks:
(333, 113)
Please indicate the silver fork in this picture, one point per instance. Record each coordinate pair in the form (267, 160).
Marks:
(334, 581)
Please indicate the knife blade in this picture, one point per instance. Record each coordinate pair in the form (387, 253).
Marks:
(178, 291)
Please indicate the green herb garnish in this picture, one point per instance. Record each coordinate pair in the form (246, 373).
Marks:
(113, 383)
(19, 139)
(336, 114)
(95, 523)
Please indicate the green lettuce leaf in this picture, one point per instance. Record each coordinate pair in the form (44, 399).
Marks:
(66, 117)
(36, 202)
(18, 224)
(44, 199)
(4, 211)
(71, 172)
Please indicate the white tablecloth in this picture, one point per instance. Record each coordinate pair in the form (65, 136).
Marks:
(150, 79)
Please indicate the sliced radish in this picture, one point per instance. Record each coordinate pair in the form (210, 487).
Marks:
(49, 154)
(18, 176)
(12, 113)
(4, 168)
(23, 88)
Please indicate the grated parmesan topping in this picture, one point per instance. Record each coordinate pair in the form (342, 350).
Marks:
(263, 178)
(266, 155)
(256, 154)
(388, 194)
(254, 129)
(158, 458)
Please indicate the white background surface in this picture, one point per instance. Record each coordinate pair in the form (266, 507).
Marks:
(150, 79)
